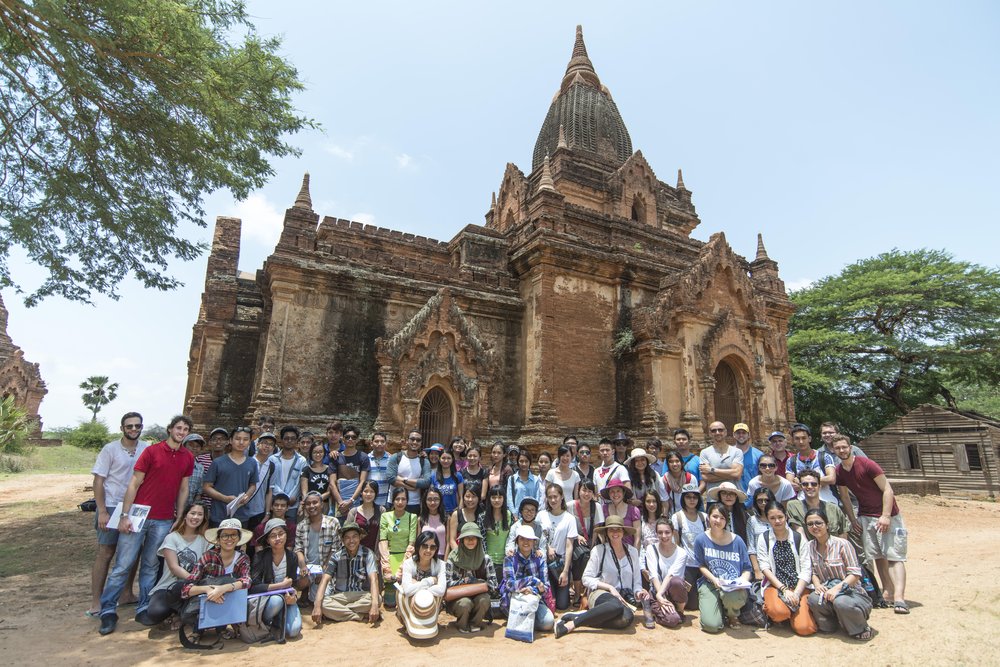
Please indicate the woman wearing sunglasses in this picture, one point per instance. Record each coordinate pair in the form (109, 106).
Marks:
(397, 533)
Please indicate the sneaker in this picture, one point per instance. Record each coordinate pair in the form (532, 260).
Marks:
(561, 630)
(108, 623)
(465, 631)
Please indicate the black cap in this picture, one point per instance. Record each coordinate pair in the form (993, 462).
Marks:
(800, 427)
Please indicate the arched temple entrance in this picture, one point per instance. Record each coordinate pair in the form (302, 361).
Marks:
(727, 396)
(436, 417)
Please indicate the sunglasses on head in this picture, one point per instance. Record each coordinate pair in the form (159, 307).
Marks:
(242, 429)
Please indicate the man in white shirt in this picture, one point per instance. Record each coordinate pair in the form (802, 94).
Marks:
(609, 468)
(112, 471)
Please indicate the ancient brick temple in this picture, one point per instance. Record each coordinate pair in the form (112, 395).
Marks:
(20, 378)
(582, 305)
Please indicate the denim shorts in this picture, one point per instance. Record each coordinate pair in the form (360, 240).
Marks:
(109, 537)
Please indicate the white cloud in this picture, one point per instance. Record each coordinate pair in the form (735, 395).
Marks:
(403, 161)
(364, 218)
(261, 220)
(801, 283)
(339, 151)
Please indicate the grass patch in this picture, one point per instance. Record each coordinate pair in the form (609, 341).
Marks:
(63, 459)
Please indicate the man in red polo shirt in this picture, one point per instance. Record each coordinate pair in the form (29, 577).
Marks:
(882, 531)
(159, 480)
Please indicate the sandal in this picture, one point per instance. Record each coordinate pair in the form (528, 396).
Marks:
(734, 622)
(865, 634)
(900, 607)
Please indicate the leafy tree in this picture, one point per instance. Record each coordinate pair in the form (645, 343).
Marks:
(86, 435)
(890, 332)
(98, 393)
(116, 118)
(15, 427)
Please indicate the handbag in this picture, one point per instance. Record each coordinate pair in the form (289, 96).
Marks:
(466, 591)
(581, 551)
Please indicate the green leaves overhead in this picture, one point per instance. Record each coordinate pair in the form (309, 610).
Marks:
(117, 117)
(899, 328)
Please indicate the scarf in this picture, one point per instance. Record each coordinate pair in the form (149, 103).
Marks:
(467, 559)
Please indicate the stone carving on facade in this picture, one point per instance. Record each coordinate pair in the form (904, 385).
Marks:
(440, 346)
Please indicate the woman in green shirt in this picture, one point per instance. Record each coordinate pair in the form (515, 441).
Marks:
(496, 521)
(397, 533)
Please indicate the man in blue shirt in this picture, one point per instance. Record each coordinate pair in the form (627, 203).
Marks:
(682, 441)
(751, 455)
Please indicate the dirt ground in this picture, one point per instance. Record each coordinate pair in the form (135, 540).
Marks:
(47, 547)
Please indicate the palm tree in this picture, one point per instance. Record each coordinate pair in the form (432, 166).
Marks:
(98, 393)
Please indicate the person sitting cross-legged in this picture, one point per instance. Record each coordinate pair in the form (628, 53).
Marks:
(353, 571)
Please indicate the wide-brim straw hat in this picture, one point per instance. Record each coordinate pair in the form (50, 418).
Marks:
(713, 494)
(212, 534)
(419, 613)
(616, 484)
(638, 453)
(614, 521)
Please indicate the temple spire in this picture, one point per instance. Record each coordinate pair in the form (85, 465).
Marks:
(562, 137)
(493, 201)
(304, 200)
(680, 180)
(546, 182)
(580, 68)
(761, 251)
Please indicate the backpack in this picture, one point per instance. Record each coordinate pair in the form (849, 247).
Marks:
(796, 539)
(680, 524)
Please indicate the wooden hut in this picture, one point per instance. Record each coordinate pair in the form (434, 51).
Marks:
(956, 448)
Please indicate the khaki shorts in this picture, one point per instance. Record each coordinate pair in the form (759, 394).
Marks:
(890, 545)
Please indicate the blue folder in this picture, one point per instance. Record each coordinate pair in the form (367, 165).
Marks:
(232, 610)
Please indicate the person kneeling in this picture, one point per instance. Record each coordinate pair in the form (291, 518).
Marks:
(349, 586)
(525, 572)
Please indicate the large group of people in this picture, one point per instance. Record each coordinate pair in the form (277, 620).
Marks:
(346, 531)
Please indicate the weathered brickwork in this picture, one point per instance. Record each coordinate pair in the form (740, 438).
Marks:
(581, 305)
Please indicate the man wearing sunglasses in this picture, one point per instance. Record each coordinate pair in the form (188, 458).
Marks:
(409, 470)
(112, 471)
(836, 521)
(720, 462)
(349, 470)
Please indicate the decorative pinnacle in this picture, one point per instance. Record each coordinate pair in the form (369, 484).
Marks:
(303, 199)
(493, 201)
(680, 180)
(761, 252)
(579, 64)
(562, 137)
(546, 182)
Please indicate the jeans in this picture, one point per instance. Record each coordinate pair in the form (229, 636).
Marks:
(293, 617)
(132, 546)
(544, 619)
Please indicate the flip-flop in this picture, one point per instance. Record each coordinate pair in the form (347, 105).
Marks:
(96, 615)
(865, 634)
(900, 607)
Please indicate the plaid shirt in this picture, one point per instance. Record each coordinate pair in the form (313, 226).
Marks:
(378, 472)
(486, 572)
(329, 539)
(211, 565)
(351, 574)
(520, 572)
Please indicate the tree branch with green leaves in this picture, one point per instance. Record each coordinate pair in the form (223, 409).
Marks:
(118, 117)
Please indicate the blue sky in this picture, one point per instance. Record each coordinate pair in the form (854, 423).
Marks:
(837, 129)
